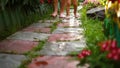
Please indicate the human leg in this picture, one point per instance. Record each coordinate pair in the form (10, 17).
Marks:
(62, 6)
(55, 4)
(68, 9)
(75, 4)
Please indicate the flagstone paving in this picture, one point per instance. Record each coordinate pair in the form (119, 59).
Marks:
(68, 30)
(38, 30)
(17, 46)
(40, 25)
(50, 62)
(30, 36)
(66, 38)
(69, 23)
(61, 48)
(10, 60)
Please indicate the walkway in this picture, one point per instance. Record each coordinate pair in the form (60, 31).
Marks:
(60, 41)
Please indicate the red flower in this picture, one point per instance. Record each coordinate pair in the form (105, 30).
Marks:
(84, 53)
(116, 57)
(88, 52)
(104, 46)
(49, 1)
(118, 51)
(109, 55)
(114, 44)
(114, 51)
(108, 45)
(41, 1)
(80, 56)
(118, 1)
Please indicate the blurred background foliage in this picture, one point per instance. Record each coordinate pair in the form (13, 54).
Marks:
(16, 14)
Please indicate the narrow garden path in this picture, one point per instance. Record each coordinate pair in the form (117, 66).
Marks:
(49, 41)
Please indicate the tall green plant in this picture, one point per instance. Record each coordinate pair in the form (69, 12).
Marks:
(16, 14)
(102, 2)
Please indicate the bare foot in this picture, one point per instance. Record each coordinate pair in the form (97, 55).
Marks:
(76, 15)
(67, 17)
(62, 16)
(54, 14)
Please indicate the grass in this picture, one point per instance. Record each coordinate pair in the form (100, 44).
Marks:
(93, 28)
(15, 20)
(94, 34)
(32, 54)
(54, 26)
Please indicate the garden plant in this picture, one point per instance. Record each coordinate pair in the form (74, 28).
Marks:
(103, 37)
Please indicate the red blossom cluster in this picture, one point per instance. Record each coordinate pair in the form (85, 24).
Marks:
(41, 1)
(111, 47)
(49, 1)
(118, 1)
(84, 53)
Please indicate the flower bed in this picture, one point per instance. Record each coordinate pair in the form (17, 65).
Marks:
(102, 49)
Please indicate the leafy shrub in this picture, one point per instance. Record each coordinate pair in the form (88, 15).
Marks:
(106, 55)
(102, 2)
(16, 14)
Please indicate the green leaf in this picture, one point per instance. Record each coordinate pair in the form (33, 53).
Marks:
(3, 3)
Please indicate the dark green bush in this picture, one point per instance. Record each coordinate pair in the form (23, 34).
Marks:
(16, 14)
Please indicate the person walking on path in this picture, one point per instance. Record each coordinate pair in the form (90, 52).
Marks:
(75, 4)
(62, 6)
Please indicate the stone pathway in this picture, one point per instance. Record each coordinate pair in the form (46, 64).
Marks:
(66, 38)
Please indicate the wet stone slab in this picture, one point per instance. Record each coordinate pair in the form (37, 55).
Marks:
(30, 36)
(67, 24)
(65, 37)
(11, 61)
(72, 20)
(62, 48)
(37, 30)
(53, 62)
(40, 25)
(47, 21)
(79, 7)
(16, 46)
(68, 30)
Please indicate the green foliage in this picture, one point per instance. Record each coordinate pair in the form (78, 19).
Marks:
(54, 26)
(93, 28)
(80, 0)
(97, 59)
(32, 54)
(102, 2)
(40, 46)
(92, 5)
(16, 14)
(94, 35)
(25, 63)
